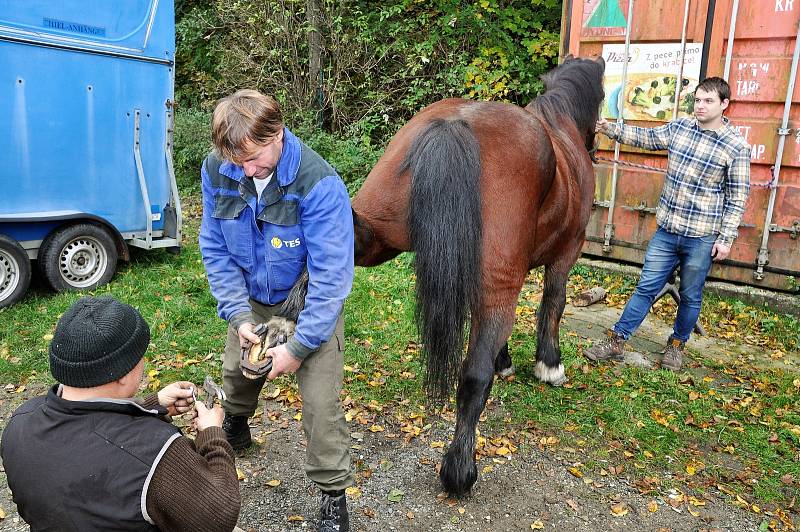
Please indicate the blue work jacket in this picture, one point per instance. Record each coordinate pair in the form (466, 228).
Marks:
(257, 248)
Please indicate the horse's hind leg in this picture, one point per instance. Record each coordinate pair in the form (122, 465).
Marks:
(459, 472)
(503, 366)
(548, 354)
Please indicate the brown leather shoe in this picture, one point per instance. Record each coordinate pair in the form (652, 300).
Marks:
(611, 348)
(673, 355)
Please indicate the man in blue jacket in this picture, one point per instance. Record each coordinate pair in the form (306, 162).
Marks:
(271, 208)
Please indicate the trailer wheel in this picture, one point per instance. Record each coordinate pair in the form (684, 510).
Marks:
(78, 257)
(15, 271)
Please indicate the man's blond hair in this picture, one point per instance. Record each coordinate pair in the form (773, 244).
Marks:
(246, 115)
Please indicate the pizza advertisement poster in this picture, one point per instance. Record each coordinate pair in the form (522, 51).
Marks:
(651, 88)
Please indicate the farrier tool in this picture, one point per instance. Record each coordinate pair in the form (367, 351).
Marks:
(212, 390)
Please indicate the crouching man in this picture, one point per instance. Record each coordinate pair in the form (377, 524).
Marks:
(87, 456)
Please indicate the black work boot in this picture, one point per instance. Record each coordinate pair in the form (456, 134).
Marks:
(673, 354)
(333, 516)
(237, 432)
(610, 348)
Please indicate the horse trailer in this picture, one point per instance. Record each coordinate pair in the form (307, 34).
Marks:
(655, 53)
(86, 129)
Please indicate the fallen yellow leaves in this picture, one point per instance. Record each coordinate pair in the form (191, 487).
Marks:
(693, 467)
(537, 525)
(620, 509)
(694, 501)
(240, 474)
(353, 492)
(652, 507)
(502, 446)
(660, 418)
(274, 483)
(575, 472)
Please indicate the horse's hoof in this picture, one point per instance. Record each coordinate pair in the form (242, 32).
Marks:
(552, 376)
(456, 476)
(507, 372)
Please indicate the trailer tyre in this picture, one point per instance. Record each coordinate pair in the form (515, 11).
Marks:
(15, 271)
(78, 257)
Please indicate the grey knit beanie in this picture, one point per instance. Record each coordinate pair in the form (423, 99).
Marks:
(97, 341)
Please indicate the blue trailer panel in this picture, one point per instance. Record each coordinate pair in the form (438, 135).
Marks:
(87, 91)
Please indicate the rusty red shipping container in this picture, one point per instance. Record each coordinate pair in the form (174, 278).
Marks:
(754, 45)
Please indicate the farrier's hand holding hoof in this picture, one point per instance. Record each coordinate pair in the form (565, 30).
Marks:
(247, 335)
(283, 362)
(256, 359)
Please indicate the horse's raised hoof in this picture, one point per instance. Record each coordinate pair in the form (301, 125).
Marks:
(552, 376)
(508, 372)
(457, 475)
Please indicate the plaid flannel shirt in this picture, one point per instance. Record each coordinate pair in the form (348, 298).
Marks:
(708, 175)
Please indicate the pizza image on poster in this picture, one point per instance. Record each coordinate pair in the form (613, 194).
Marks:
(653, 97)
(652, 84)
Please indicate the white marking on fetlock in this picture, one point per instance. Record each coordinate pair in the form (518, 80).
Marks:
(554, 376)
(507, 372)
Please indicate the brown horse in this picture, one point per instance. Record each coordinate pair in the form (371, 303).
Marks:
(483, 192)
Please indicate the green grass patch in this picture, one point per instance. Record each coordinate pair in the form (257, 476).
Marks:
(735, 425)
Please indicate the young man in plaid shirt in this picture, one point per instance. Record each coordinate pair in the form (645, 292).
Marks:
(698, 214)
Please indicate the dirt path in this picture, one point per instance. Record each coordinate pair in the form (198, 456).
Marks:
(532, 487)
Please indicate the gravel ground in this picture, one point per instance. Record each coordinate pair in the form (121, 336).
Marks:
(532, 486)
(532, 489)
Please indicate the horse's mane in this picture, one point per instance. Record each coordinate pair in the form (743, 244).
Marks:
(573, 89)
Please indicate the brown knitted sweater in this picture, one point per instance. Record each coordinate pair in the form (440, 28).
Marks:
(195, 487)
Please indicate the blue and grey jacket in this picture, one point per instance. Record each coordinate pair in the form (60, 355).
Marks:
(258, 248)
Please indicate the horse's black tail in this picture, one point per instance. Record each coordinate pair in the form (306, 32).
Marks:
(445, 227)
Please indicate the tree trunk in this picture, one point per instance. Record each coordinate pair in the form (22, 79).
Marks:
(314, 13)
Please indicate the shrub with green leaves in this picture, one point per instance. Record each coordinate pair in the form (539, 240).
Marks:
(192, 144)
(380, 62)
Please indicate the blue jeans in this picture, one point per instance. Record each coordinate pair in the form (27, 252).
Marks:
(665, 252)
